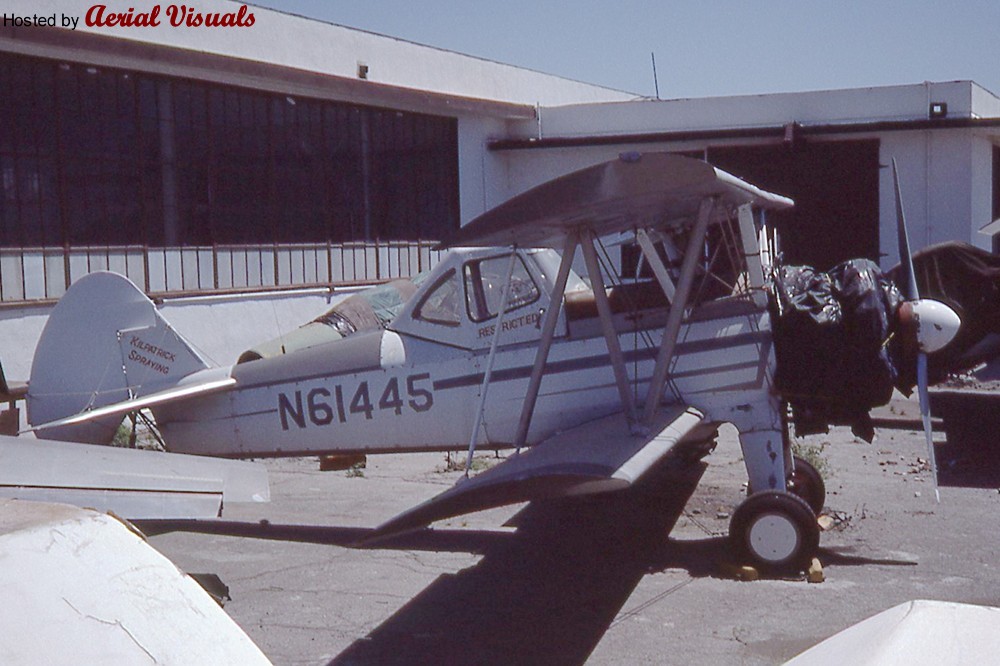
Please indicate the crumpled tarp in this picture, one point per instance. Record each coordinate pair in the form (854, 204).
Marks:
(369, 310)
(830, 333)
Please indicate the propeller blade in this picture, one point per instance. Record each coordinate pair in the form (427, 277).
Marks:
(936, 324)
(925, 416)
(909, 283)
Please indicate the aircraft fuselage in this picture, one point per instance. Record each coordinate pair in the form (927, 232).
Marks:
(399, 390)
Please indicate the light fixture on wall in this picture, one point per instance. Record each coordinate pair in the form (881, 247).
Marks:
(792, 137)
(362, 70)
(938, 110)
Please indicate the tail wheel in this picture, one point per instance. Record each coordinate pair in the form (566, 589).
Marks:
(806, 482)
(774, 530)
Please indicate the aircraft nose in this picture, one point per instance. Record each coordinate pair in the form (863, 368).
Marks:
(937, 324)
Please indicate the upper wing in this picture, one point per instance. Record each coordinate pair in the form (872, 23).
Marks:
(651, 189)
(590, 458)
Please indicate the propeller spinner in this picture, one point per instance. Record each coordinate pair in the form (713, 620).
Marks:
(935, 323)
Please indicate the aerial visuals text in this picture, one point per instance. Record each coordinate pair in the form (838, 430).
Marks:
(103, 16)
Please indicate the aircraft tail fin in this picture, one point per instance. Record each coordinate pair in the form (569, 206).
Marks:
(104, 343)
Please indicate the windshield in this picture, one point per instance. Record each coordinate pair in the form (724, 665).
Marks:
(548, 262)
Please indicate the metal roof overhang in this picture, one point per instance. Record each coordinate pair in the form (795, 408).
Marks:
(760, 132)
(119, 53)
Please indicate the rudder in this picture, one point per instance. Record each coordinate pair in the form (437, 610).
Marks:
(105, 342)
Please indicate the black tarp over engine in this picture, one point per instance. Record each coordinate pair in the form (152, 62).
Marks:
(839, 351)
(831, 335)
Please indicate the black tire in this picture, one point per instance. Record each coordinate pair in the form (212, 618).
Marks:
(806, 482)
(775, 531)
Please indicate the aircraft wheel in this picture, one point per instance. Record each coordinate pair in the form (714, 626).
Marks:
(806, 482)
(774, 530)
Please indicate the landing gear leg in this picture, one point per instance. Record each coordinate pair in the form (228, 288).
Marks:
(805, 482)
(775, 529)
(802, 478)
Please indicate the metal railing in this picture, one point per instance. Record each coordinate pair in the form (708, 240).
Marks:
(42, 274)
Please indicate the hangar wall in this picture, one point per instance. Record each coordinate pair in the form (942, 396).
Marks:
(948, 183)
(483, 180)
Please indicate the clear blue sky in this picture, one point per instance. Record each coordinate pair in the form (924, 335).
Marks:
(703, 48)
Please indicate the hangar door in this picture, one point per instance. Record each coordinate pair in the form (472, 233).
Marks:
(835, 188)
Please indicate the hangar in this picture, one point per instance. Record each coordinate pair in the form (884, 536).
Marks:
(259, 165)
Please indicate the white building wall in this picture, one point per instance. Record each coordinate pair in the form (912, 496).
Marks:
(949, 187)
(20, 329)
(946, 182)
(984, 103)
(482, 174)
(887, 103)
(982, 188)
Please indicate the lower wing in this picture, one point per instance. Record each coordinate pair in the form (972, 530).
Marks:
(595, 457)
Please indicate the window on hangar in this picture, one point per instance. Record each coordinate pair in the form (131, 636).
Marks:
(100, 156)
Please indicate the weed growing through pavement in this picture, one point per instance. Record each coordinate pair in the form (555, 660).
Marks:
(813, 454)
(145, 438)
(455, 462)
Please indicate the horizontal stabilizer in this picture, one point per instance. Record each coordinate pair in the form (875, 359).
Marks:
(134, 484)
(594, 457)
(203, 383)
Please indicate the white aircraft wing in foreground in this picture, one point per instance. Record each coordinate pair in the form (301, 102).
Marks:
(82, 587)
(132, 483)
(914, 633)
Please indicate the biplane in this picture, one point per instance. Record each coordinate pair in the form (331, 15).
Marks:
(501, 345)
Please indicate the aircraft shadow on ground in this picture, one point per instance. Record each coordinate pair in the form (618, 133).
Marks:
(548, 593)
(545, 593)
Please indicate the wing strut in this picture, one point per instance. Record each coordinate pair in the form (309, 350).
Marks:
(608, 326)
(656, 264)
(545, 343)
(751, 254)
(504, 297)
(677, 306)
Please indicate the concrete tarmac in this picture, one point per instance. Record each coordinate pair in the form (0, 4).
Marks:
(594, 580)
